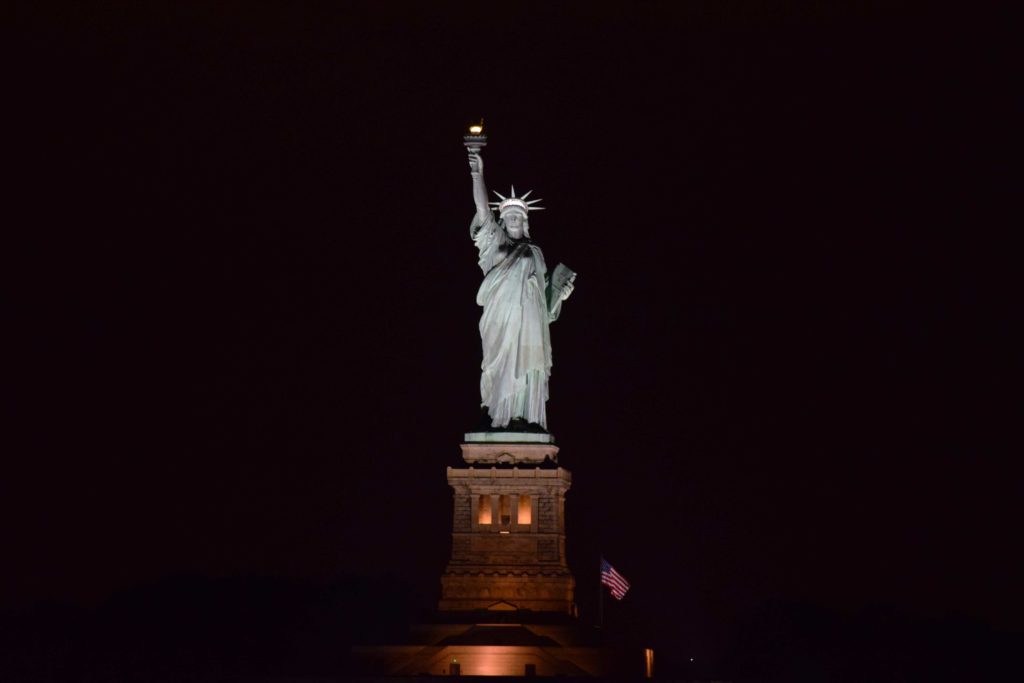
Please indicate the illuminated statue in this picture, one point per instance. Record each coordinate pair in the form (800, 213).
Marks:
(520, 298)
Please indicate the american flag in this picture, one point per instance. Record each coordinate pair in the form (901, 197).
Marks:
(614, 580)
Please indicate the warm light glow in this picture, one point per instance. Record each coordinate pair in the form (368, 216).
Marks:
(649, 662)
(476, 129)
(525, 510)
(484, 510)
(501, 660)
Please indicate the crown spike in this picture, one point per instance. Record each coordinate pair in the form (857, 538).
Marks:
(512, 202)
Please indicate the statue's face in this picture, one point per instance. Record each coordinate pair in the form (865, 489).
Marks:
(514, 224)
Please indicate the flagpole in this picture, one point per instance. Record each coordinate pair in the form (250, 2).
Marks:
(600, 595)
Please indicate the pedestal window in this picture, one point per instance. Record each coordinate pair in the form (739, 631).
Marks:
(483, 514)
(525, 511)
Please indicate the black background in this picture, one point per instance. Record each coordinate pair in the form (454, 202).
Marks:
(241, 295)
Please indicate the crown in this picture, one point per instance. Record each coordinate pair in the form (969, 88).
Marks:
(514, 203)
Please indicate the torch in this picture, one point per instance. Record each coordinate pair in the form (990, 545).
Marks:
(474, 139)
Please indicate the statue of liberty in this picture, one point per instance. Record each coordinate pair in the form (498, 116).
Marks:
(520, 299)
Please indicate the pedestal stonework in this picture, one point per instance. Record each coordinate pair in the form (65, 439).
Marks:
(509, 454)
(508, 535)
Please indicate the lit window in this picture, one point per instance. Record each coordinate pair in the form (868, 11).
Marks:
(525, 510)
(483, 515)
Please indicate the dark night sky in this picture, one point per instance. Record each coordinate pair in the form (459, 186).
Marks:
(244, 322)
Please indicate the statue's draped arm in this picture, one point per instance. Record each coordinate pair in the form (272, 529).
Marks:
(484, 230)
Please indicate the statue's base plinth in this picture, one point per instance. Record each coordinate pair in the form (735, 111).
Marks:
(509, 437)
(509, 452)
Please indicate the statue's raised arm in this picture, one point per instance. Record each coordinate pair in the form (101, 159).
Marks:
(476, 170)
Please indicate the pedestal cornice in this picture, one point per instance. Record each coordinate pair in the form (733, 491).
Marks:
(505, 453)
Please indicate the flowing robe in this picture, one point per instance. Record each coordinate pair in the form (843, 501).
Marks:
(514, 326)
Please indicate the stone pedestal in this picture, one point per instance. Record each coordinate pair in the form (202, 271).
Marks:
(508, 535)
(506, 604)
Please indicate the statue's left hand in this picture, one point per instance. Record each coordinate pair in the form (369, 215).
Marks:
(566, 290)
